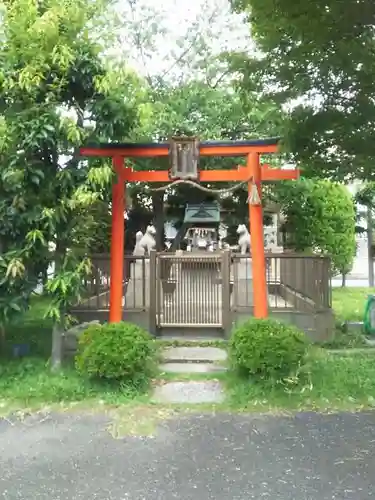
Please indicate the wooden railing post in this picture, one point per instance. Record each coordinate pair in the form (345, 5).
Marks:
(226, 293)
(153, 284)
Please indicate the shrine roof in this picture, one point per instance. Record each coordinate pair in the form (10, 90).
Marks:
(201, 213)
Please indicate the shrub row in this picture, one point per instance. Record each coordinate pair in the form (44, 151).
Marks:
(266, 349)
(116, 351)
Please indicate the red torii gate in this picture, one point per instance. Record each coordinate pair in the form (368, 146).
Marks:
(254, 173)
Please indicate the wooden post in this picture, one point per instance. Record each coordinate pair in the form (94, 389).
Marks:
(257, 240)
(226, 292)
(117, 244)
(153, 284)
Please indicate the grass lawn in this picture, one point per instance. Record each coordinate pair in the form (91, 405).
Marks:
(333, 382)
(31, 329)
(28, 382)
(349, 303)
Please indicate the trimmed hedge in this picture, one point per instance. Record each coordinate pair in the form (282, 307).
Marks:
(116, 351)
(267, 348)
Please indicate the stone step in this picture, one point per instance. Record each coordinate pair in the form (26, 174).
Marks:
(196, 339)
(193, 392)
(191, 333)
(194, 354)
(191, 368)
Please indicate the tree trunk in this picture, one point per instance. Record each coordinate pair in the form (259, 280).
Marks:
(158, 209)
(343, 280)
(369, 248)
(2, 340)
(58, 330)
(178, 238)
(56, 354)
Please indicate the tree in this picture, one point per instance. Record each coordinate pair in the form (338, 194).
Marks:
(192, 93)
(319, 216)
(366, 197)
(316, 58)
(51, 100)
(189, 90)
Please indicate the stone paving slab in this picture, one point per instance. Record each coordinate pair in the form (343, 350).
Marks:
(196, 354)
(370, 341)
(191, 368)
(193, 392)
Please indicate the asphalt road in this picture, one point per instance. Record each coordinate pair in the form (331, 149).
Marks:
(198, 457)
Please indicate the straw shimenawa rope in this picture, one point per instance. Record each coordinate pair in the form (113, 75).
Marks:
(253, 199)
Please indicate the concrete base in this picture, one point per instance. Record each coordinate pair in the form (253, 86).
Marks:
(318, 326)
(354, 326)
(370, 341)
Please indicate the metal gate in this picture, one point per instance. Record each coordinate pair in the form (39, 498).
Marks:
(190, 290)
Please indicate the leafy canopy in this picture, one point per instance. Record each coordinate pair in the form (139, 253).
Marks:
(55, 93)
(317, 58)
(320, 216)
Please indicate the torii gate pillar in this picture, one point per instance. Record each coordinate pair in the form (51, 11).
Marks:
(257, 239)
(117, 243)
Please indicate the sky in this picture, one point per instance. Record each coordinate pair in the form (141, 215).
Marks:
(173, 24)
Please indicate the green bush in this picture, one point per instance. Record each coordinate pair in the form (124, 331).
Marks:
(267, 348)
(116, 351)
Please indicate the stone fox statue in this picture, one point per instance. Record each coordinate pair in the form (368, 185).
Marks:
(243, 239)
(138, 249)
(145, 242)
